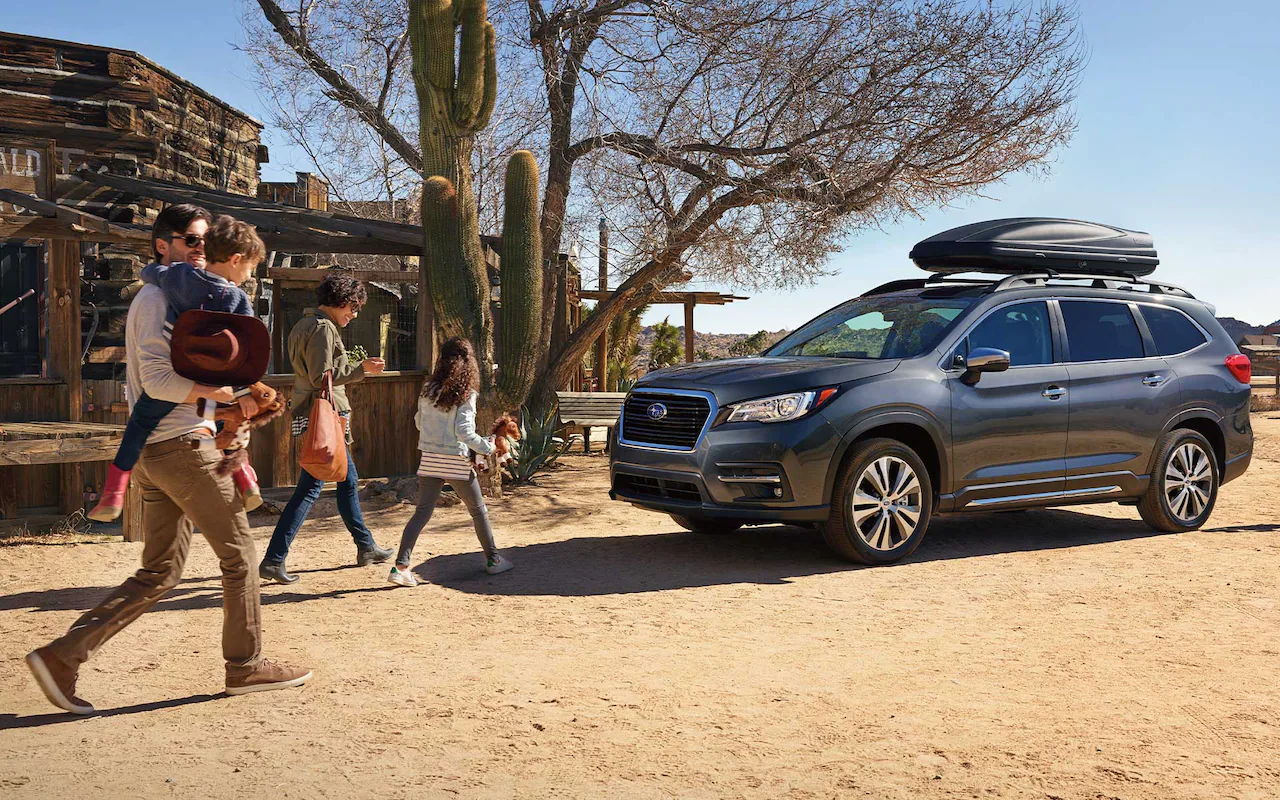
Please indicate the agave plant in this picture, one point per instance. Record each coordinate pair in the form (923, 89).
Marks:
(540, 445)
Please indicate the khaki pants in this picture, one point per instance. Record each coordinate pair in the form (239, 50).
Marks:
(179, 488)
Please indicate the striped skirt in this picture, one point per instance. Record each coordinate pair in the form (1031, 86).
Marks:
(447, 467)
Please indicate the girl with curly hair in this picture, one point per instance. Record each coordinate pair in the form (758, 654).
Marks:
(446, 421)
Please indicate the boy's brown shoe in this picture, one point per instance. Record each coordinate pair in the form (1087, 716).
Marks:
(266, 676)
(57, 681)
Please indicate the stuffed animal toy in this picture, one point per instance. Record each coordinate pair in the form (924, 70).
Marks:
(233, 435)
(504, 434)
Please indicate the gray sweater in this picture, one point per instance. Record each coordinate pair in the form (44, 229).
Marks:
(150, 369)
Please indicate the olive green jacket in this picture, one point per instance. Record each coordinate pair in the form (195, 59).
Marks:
(315, 347)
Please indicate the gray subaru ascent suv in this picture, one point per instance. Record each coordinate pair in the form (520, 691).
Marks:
(1065, 378)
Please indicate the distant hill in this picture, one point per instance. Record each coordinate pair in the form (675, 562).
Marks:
(714, 344)
(1235, 328)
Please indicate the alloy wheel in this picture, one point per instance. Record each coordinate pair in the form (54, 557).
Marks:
(1188, 482)
(885, 503)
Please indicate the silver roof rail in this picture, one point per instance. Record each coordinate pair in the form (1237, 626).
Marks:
(1119, 281)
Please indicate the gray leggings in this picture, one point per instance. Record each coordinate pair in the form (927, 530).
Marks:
(428, 494)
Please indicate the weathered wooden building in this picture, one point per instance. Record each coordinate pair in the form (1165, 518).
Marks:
(67, 107)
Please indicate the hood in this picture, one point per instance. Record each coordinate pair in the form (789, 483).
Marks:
(735, 379)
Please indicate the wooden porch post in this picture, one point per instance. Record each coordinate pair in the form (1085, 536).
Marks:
(64, 354)
(602, 344)
(688, 330)
(426, 342)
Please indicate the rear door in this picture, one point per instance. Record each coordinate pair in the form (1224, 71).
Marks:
(1009, 431)
(1122, 393)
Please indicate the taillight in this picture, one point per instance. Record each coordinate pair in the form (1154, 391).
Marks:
(1241, 367)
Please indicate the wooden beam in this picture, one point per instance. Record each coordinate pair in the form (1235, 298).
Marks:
(25, 452)
(299, 275)
(265, 214)
(673, 298)
(23, 228)
(78, 220)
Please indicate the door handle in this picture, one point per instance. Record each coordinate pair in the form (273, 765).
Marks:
(1054, 392)
(1153, 380)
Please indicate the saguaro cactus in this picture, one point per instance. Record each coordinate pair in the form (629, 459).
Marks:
(521, 313)
(456, 95)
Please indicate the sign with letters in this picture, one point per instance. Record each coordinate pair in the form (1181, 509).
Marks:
(28, 166)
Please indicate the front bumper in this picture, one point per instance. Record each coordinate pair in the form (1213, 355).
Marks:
(747, 471)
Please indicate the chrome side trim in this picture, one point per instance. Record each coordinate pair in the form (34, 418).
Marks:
(714, 409)
(1018, 498)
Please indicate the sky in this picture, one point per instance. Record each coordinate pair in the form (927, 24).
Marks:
(1178, 112)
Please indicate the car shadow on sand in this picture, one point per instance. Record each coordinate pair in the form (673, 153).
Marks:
(603, 565)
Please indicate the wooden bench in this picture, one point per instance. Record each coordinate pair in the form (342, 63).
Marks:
(587, 410)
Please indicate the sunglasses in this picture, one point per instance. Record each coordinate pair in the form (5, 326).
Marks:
(189, 239)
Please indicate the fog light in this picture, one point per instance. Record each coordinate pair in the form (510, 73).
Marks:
(777, 492)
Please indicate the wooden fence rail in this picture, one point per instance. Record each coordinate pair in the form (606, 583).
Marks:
(386, 441)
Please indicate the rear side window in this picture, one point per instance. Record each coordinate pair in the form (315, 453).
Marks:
(1173, 332)
(1022, 330)
(1100, 331)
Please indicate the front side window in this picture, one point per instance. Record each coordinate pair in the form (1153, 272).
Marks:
(1100, 331)
(1171, 330)
(896, 325)
(1022, 330)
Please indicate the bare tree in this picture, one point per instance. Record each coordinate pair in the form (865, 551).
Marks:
(738, 140)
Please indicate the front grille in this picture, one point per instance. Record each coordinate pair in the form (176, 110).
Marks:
(665, 488)
(681, 426)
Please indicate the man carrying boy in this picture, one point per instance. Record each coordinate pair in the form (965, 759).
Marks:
(234, 249)
(177, 475)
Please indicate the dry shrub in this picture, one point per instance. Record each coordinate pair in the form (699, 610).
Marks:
(1264, 402)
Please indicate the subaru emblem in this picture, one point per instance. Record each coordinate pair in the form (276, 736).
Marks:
(657, 411)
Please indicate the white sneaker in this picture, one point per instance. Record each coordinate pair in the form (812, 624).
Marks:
(497, 565)
(401, 578)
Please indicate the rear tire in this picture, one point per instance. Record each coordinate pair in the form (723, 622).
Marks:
(710, 527)
(1184, 483)
(881, 505)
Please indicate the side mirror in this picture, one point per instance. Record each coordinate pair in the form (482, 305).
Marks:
(980, 360)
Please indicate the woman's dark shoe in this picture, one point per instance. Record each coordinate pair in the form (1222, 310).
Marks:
(271, 571)
(371, 555)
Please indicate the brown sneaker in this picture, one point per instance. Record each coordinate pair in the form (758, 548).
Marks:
(57, 681)
(267, 676)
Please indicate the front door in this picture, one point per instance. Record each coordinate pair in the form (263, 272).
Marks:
(1121, 398)
(1009, 430)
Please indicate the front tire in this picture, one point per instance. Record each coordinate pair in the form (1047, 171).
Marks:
(710, 527)
(881, 505)
(1184, 484)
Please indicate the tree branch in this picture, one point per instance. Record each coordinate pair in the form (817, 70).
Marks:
(343, 91)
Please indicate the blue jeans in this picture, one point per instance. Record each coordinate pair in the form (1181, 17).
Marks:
(146, 415)
(299, 506)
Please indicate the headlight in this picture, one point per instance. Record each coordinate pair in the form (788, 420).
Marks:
(779, 408)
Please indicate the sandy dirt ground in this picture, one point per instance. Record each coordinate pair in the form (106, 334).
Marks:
(1048, 654)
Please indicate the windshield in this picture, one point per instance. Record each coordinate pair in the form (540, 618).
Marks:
(897, 325)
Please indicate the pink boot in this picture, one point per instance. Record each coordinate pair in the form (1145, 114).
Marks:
(246, 481)
(112, 501)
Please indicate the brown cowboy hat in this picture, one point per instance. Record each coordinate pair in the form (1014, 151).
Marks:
(220, 349)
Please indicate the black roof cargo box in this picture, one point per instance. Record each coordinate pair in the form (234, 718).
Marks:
(1030, 244)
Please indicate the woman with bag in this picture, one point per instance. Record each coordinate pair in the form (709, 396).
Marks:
(447, 437)
(321, 372)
